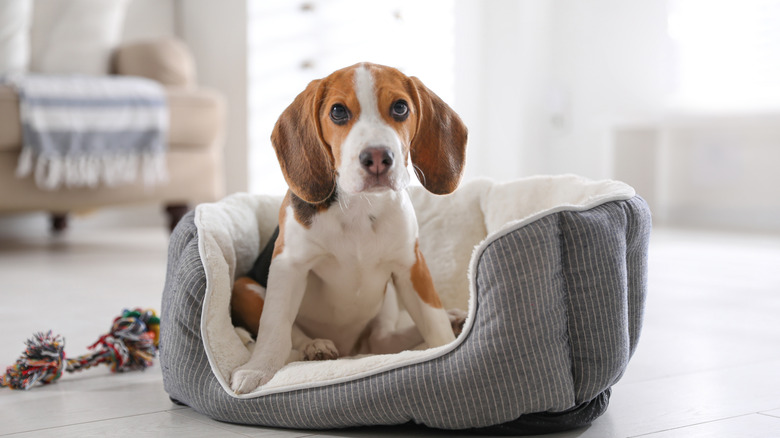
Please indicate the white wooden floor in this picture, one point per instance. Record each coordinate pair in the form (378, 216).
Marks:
(708, 363)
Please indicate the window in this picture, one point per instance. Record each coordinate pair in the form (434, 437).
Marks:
(292, 43)
(728, 53)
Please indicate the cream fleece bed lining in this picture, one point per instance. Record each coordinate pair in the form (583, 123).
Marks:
(233, 231)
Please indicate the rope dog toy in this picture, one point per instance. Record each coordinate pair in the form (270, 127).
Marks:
(130, 345)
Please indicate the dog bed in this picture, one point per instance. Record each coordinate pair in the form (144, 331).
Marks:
(552, 270)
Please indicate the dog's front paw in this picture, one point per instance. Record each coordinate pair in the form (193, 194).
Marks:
(320, 349)
(457, 320)
(245, 380)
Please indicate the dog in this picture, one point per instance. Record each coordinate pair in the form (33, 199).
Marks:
(347, 245)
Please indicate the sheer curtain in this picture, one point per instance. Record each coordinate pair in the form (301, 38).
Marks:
(292, 43)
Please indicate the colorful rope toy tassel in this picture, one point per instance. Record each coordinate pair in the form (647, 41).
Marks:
(130, 345)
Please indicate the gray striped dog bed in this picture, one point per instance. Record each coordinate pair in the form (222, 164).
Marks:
(552, 270)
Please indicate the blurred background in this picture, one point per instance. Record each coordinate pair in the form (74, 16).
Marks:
(680, 98)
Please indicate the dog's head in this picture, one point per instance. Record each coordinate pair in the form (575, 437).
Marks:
(357, 128)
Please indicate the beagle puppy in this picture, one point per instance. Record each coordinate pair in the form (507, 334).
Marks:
(347, 244)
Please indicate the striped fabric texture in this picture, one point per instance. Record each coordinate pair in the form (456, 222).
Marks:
(84, 131)
(559, 312)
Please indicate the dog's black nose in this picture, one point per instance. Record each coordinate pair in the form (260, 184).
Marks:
(376, 160)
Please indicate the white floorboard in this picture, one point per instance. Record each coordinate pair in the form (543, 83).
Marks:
(746, 426)
(158, 424)
(707, 362)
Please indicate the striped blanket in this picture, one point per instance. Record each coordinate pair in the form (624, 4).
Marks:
(82, 131)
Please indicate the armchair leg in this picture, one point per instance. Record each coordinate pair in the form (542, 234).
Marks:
(59, 222)
(175, 212)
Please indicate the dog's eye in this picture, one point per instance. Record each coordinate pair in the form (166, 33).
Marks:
(339, 114)
(399, 110)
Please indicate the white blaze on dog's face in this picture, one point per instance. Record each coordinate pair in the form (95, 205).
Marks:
(369, 121)
(358, 128)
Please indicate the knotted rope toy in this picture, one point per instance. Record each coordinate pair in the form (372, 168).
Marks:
(130, 345)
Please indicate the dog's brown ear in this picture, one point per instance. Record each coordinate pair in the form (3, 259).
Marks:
(438, 149)
(304, 157)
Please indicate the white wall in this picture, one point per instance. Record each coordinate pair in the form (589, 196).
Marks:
(721, 170)
(149, 19)
(612, 57)
(216, 32)
(502, 57)
(540, 83)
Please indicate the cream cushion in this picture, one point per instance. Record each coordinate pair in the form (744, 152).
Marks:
(167, 61)
(75, 36)
(15, 35)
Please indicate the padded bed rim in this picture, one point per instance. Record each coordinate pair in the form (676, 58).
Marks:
(425, 356)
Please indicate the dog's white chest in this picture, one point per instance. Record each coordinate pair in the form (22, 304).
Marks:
(361, 246)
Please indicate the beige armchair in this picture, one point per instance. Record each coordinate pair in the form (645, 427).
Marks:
(195, 143)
